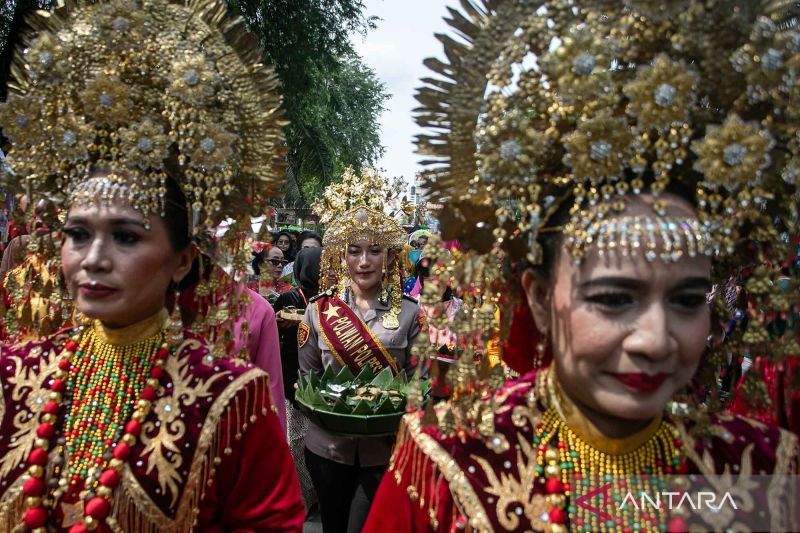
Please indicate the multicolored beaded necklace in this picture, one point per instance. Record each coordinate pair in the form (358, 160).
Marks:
(574, 468)
(98, 383)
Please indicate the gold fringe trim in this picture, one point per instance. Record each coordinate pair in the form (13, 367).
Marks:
(782, 490)
(428, 454)
(133, 508)
(12, 507)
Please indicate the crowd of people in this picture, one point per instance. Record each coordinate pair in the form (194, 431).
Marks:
(609, 316)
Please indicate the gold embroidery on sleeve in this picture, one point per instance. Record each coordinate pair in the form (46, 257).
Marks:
(161, 442)
(782, 491)
(133, 505)
(464, 495)
(27, 391)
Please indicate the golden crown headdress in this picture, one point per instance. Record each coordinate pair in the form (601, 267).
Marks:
(146, 89)
(364, 205)
(547, 106)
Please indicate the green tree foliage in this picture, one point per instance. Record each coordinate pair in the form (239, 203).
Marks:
(331, 99)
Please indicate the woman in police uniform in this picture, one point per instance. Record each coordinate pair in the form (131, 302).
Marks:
(364, 320)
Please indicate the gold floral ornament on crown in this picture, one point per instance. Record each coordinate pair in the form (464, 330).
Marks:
(146, 89)
(554, 106)
(143, 90)
(364, 206)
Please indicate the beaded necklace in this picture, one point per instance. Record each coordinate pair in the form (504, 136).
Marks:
(574, 468)
(100, 381)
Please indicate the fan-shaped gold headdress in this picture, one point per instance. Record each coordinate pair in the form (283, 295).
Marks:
(145, 89)
(548, 106)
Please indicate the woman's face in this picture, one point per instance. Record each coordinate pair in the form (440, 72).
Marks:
(626, 333)
(365, 264)
(283, 242)
(117, 270)
(275, 262)
(309, 243)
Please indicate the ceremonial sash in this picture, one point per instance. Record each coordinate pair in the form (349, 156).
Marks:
(350, 340)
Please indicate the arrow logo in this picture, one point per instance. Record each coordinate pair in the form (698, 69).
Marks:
(583, 501)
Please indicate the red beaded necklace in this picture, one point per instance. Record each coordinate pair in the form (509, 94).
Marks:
(75, 362)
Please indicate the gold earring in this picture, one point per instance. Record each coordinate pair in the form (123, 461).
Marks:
(175, 327)
(541, 349)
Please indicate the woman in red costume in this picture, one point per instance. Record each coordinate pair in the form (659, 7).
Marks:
(130, 422)
(629, 157)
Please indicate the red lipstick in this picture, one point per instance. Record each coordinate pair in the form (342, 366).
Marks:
(641, 382)
(95, 290)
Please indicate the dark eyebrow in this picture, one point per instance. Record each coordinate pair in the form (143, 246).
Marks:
(697, 282)
(113, 222)
(611, 281)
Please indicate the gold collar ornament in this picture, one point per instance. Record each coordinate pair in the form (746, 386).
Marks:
(365, 206)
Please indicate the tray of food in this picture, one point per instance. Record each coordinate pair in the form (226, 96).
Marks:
(363, 405)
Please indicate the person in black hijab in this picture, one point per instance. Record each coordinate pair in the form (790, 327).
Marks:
(306, 275)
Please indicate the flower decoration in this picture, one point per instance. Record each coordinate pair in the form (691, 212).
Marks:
(117, 21)
(145, 145)
(20, 117)
(71, 136)
(580, 68)
(167, 409)
(107, 99)
(662, 94)
(45, 57)
(192, 79)
(733, 155)
(213, 147)
(522, 143)
(599, 148)
(770, 61)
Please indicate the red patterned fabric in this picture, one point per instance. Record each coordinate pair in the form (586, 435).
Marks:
(783, 389)
(250, 482)
(417, 491)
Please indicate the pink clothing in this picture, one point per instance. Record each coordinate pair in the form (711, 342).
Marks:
(263, 346)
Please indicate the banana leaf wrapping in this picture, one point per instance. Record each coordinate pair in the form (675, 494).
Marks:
(363, 405)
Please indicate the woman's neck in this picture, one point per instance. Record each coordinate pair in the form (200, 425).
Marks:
(611, 426)
(603, 431)
(364, 299)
